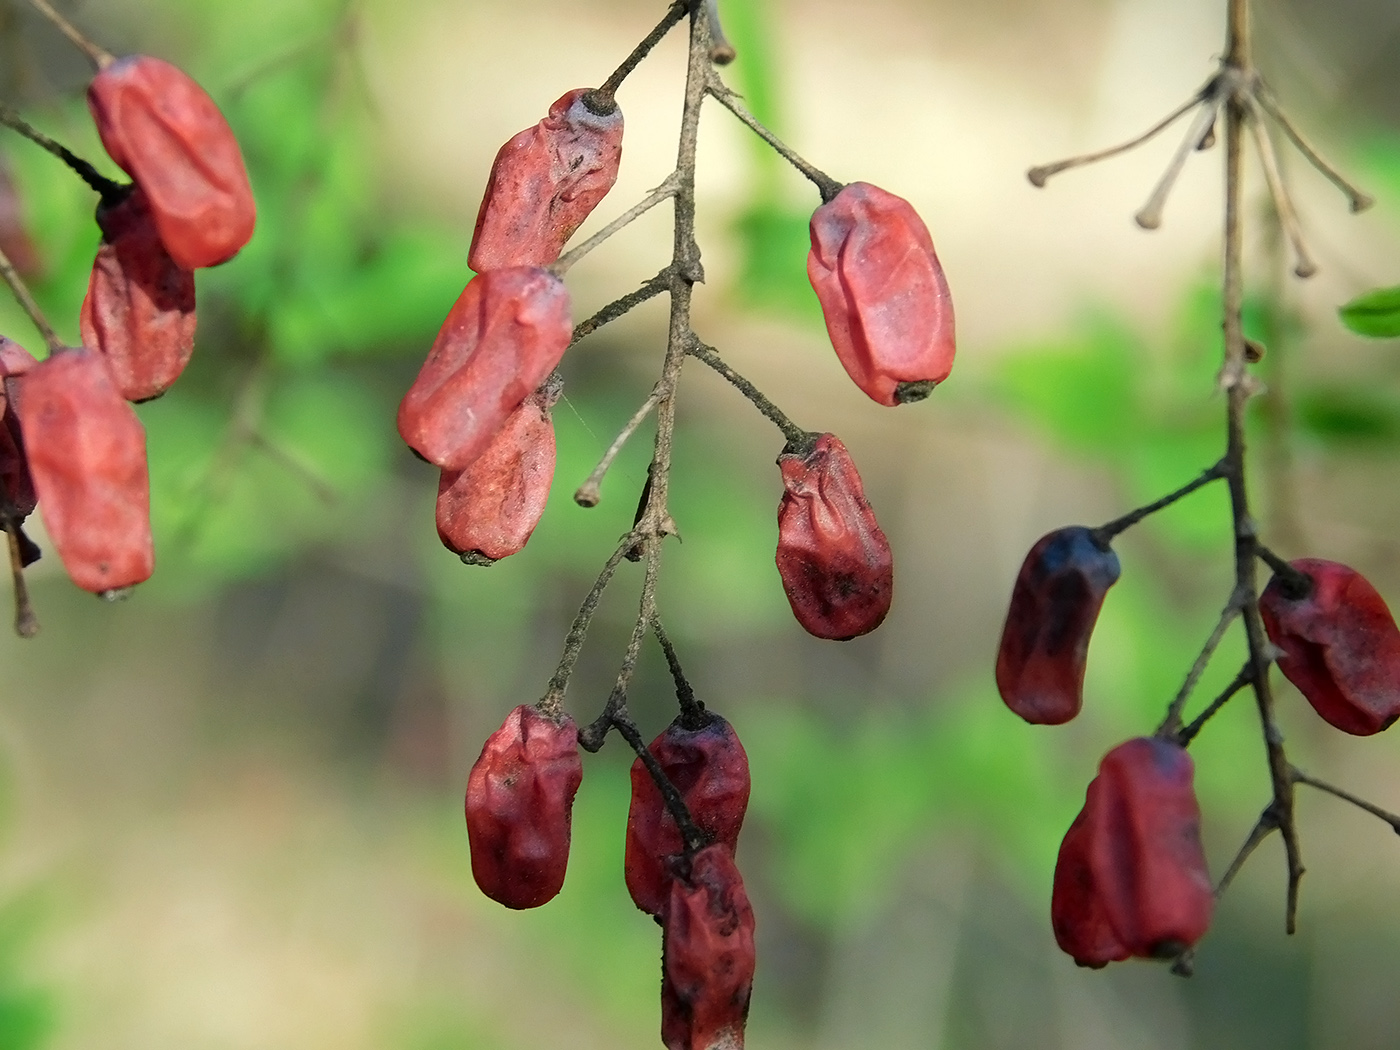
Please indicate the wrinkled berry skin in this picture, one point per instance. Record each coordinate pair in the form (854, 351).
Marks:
(488, 511)
(87, 452)
(1340, 643)
(502, 338)
(520, 798)
(139, 307)
(545, 181)
(835, 563)
(707, 955)
(1054, 605)
(164, 131)
(1131, 878)
(710, 769)
(15, 361)
(883, 294)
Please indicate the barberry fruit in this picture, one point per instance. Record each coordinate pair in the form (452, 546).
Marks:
(139, 307)
(165, 131)
(488, 511)
(707, 954)
(1131, 877)
(15, 361)
(882, 291)
(708, 766)
(87, 453)
(502, 338)
(519, 806)
(1054, 605)
(835, 563)
(545, 181)
(1340, 645)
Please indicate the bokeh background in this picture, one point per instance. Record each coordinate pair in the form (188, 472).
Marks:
(230, 808)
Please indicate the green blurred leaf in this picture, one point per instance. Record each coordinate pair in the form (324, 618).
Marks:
(1375, 313)
(1350, 414)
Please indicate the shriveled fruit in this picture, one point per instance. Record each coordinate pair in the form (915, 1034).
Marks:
(503, 336)
(488, 511)
(139, 308)
(87, 453)
(835, 563)
(15, 361)
(708, 766)
(882, 291)
(520, 797)
(165, 131)
(1131, 879)
(1340, 644)
(707, 955)
(1054, 606)
(545, 181)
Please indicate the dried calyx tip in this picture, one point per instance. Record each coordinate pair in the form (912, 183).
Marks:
(1039, 176)
(587, 496)
(915, 390)
(599, 102)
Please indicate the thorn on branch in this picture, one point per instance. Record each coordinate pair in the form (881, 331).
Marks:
(589, 493)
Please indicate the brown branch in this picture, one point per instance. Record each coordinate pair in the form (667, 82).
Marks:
(1303, 265)
(1188, 734)
(1171, 725)
(602, 98)
(99, 57)
(1149, 217)
(1266, 825)
(1104, 533)
(1299, 777)
(721, 93)
(796, 436)
(552, 703)
(588, 494)
(615, 309)
(665, 191)
(111, 191)
(692, 709)
(25, 298)
(1356, 199)
(692, 836)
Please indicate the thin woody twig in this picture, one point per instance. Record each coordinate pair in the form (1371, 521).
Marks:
(796, 436)
(1356, 199)
(99, 57)
(720, 92)
(1149, 217)
(721, 50)
(603, 96)
(1299, 777)
(665, 191)
(692, 836)
(1107, 531)
(22, 295)
(1303, 265)
(1266, 825)
(691, 708)
(1172, 723)
(1186, 735)
(553, 701)
(615, 309)
(588, 494)
(1040, 174)
(109, 189)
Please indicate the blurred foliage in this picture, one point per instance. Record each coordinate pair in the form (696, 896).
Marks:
(1375, 313)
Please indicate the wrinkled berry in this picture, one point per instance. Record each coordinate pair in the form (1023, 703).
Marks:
(545, 181)
(1054, 605)
(520, 797)
(1131, 877)
(15, 361)
(139, 308)
(502, 338)
(883, 294)
(164, 131)
(709, 768)
(1340, 645)
(487, 511)
(707, 955)
(835, 563)
(87, 453)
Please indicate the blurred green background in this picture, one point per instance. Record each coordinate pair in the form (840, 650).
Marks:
(230, 807)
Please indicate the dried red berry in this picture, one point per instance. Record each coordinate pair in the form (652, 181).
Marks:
(1340, 645)
(87, 452)
(883, 294)
(139, 308)
(709, 768)
(835, 563)
(707, 955)
(1054, 605)
(164, 131)
(1131, 878)
(520, 798)
(503, 336)
(15, 361)
(545, 181)
(487, 512)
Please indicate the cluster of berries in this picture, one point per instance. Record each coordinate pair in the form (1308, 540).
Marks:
(1131, 878)
(71, 443)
